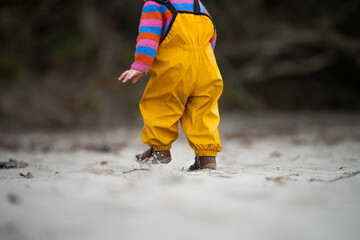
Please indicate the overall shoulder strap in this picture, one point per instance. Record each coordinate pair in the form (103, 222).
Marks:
(167, 3)
(196, 6)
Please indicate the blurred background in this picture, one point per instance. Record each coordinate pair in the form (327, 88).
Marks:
(60, 60)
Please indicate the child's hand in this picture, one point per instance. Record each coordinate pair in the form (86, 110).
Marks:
(133, 74)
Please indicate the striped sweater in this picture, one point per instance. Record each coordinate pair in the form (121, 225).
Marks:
(154, 23)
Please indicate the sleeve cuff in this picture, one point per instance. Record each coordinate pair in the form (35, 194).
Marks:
(140, 67)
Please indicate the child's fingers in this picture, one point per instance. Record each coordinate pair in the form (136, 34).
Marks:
(137, 76)
(135, 79)
(123, 75)
(129, 76)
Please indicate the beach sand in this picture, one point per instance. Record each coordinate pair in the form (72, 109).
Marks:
(280, 176)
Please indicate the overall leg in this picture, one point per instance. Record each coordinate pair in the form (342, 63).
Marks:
(201, 117)
(161, 107)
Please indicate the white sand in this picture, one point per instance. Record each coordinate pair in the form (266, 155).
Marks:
(316, 157)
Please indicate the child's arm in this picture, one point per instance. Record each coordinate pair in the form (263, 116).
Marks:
(148, 41)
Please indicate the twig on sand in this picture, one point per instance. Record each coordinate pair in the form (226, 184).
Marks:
(136, 169)
(349, 175)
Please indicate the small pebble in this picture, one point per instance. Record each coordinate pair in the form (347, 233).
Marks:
(29, 175)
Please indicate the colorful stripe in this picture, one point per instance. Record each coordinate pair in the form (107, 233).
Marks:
(148, 43)
(154, 23)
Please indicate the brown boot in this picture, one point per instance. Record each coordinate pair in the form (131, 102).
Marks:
(153, 156)
(203, 163)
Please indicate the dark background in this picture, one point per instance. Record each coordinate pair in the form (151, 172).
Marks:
(60, 60)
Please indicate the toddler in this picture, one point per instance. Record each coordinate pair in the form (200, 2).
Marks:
(175, 46)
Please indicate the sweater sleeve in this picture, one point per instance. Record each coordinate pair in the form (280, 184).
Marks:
(148, 40)
(214, 38)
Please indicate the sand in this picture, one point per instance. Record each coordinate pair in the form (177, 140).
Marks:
(279, 176)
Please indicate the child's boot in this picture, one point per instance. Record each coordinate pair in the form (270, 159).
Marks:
(153, 156)
(203, 163)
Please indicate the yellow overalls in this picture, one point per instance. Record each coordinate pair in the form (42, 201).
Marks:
(185, 85)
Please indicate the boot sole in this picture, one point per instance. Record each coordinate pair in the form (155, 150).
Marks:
(210, 166)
